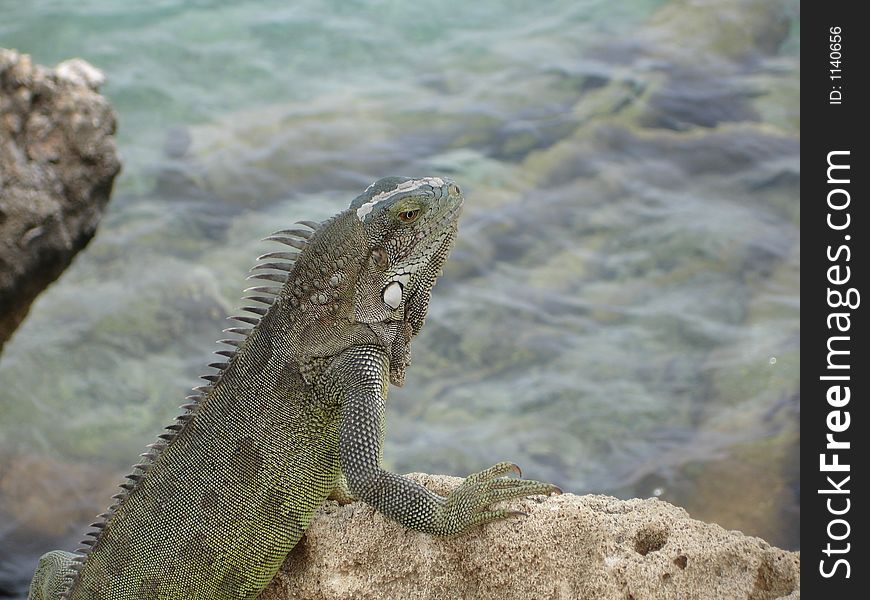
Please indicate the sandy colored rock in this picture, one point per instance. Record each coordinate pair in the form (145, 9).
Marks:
(569, 546)
(57, 166)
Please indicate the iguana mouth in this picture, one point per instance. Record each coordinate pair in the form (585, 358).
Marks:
(437, 247)
(446, 226)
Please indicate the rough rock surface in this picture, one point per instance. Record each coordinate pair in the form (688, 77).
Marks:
(576, 547)
(57, 165)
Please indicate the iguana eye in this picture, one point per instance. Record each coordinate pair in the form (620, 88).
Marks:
(409, 216)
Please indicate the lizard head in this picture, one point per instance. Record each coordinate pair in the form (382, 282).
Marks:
(410, 226)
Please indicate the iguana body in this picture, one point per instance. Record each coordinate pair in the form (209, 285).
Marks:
(222, 497)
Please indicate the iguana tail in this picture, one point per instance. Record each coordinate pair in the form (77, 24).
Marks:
(52, 575)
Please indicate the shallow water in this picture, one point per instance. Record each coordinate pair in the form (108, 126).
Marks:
(620, 314)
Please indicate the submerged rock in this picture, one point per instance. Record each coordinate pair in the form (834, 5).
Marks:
(568, 547)
(57, 166)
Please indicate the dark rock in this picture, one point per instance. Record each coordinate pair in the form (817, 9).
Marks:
(57, 166)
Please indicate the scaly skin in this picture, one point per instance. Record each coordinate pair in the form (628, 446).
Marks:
(295, 414)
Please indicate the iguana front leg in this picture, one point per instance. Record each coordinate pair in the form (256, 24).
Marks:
(362, 379)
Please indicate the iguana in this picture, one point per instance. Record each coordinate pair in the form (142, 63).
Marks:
(295, 413)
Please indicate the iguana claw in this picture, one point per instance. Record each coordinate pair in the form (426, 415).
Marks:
(468, 505)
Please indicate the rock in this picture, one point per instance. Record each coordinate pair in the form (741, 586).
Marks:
(80, 73)
(568, 547)
(57, 166)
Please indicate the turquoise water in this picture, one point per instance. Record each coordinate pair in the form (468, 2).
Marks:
(620, 315)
